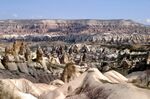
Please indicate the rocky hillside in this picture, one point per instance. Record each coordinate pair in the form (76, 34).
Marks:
(71, 26)
(76, 30)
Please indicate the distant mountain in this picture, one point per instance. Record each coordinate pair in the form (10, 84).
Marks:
(85, 26)
(105, 31)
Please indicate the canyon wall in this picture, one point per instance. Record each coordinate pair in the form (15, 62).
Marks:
(76, 30)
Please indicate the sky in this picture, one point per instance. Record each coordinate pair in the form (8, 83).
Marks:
(137, 10)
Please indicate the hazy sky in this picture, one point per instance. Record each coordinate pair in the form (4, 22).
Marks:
(138, 10)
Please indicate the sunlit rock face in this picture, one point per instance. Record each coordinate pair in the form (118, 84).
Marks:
(80, 80)
(17, 62)
(22, 88)
(71, 26)
(92, 84)
(75, 30)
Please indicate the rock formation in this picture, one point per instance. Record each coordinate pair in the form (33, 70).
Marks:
(104, 31)
(9, 59)
(69, 72)
(28, 56)
(40, 58)
(71, 26)
(86, 71)
(64, 58)
(16, 47)
(17, 62)
(94, 85)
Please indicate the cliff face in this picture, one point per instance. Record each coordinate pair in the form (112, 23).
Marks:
(98, 30)
(71, 26)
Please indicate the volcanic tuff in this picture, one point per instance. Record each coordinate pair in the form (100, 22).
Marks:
(91, 30)
(71, 26)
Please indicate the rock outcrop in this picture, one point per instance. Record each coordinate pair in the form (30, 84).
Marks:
(94, 85)
(106, 31)
(70, 26)
(17, 62)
